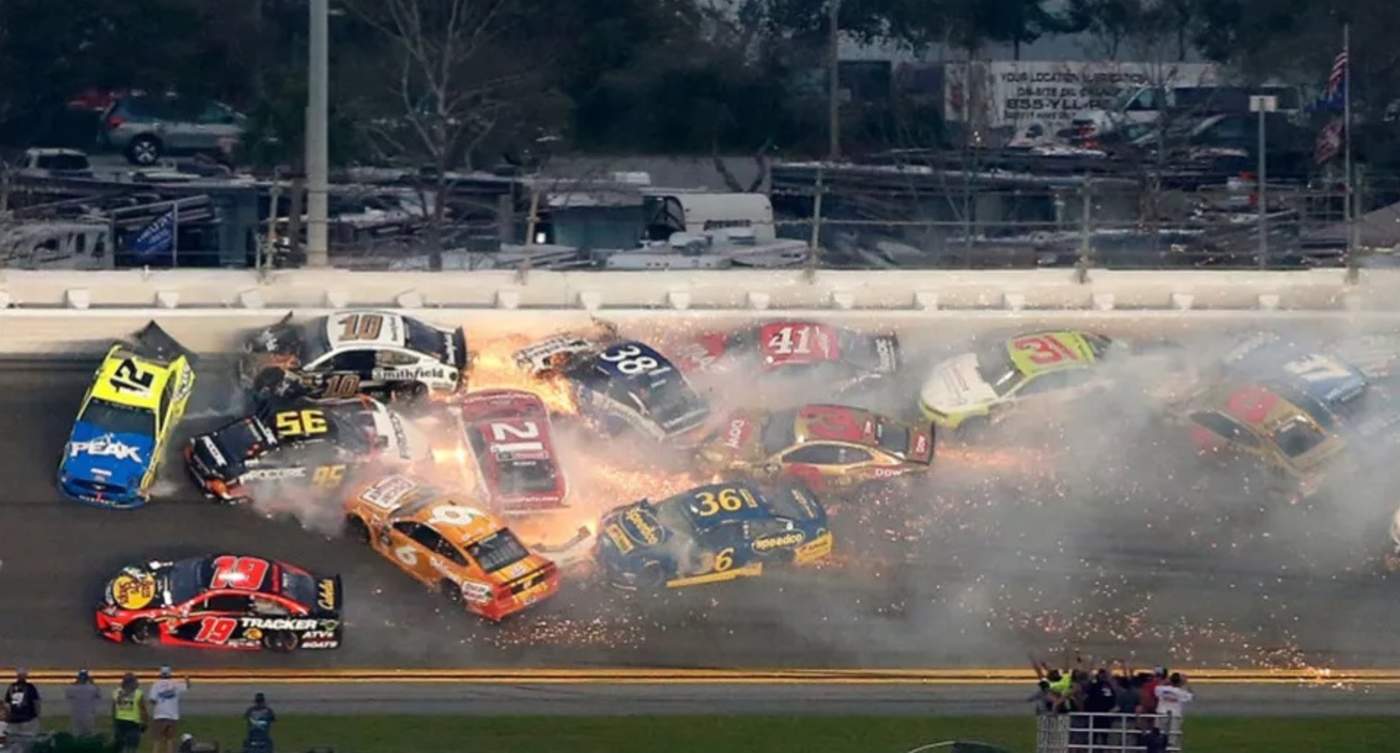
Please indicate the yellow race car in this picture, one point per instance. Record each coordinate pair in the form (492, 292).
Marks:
(1038, 366)
(137, 397)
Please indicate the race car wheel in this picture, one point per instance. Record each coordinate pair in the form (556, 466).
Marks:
(280, 641)
(651, 578)
(973, 429)
(410, 394)
(142, 633)
(356, 529)
(451, 593)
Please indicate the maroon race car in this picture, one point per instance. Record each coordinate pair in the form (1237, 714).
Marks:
(509, 435)
(840, 357)
(223, 601)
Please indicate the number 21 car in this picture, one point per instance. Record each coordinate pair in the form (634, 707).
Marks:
(137, 397)
(709, 534)
(223, 601)
(511, 440)
(468, 556)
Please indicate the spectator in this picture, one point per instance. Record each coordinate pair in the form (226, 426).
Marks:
(22, 708)
(165, 710)
(1153, 741)
(1147, 697)
(129, 715)
(83, 699)
(259, 717)
(1046, 701)
(1100, 698)
(1129, 695)
(1171, 701)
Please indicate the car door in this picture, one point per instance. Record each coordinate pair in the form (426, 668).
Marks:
(724, 549)
(346, 373)
(212, 619)
(413, 546)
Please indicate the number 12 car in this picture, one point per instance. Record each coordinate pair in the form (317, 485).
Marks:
(125, 422)
(224, 601)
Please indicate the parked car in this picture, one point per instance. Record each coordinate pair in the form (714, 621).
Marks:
(146, 128)
(55, 163)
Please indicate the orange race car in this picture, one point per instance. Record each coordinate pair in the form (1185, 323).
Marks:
(461, 551)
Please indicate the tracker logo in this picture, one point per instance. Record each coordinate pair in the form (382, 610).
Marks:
(106, 447)
(263, 623)
(792, 538)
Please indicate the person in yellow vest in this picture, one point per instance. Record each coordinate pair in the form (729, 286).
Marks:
(129, 714)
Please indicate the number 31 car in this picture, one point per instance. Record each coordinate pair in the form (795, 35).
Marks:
(224, 601)
(709, 534)
(460, 551)
(125, 422)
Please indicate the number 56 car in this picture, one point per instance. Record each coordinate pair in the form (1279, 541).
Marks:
(224, 601)
(710, 534)
(137, 397)
(458, 550)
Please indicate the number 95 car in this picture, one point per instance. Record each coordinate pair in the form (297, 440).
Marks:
(709, 534)
(126, 420)
(223, 601)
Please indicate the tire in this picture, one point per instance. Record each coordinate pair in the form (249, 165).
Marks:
(280, 641)
(409, 395)
(652, 578)
(144, 150)
(142, 633)
(973, 429)
(451, 594)
(356, 529)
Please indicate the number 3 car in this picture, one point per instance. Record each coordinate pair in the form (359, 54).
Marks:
(709, 534)
(373, 352)
(126, 420)
(223, 601)
(823, 445)
(302, 442)
(460, 551)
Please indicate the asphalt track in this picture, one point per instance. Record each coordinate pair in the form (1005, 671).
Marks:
(1009, 547)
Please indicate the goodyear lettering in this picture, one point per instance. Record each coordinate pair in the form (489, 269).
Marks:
(769, 543)
(650, 536)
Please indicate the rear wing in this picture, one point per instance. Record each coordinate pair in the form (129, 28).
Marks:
(330, 597)
(552, 354)
(156, 344)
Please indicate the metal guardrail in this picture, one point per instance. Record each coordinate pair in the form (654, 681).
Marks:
(1103, 733)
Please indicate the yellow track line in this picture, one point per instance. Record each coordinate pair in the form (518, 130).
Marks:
(627, 676)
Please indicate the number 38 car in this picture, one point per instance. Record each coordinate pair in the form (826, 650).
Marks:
(125, 422)
(823, 445)
(224, 601)
(712, 533)
(458, 550)
(302, 442)
(372, 352)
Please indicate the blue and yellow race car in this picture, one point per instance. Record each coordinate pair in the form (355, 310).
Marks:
(127, 417)
(709, 534)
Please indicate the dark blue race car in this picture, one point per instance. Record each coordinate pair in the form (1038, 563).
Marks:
(711, 533)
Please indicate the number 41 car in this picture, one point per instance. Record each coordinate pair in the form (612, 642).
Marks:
(138, 395)
(224, 601)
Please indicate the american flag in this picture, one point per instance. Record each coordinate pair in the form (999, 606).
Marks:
(1336, 81)
(1329, 142)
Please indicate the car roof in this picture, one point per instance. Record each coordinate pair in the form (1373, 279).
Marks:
(1256, 405)
(1087, 348)
(837, 423)
(149, 398)
(688, 502)
(465, 524)
(391, 333)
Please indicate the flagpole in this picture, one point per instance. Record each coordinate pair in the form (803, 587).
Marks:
(1350, 215)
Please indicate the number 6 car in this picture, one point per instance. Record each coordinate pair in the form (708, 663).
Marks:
(137, 397)
(460, 551)
(224, 601)
(709, 534)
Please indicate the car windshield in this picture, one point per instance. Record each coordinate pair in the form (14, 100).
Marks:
(239, 441)
(783, 505)
(1298, 436)
(892, 437)
(779, 431)
(527, 476)
(299, 587)
(498, 550)
(996, 368)
(63, 162)
(425, 339)
(119, 419)
(314, 342)
(186, 579)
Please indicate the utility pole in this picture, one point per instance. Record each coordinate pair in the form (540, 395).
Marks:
(317, 149)
(833, 87)
(1263, 106)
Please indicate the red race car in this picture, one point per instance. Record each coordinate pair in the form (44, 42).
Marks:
(841, 357)
(509, 435)
(222, 601)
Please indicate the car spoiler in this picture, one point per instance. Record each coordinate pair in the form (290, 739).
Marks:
(330, 597)
(154, 342)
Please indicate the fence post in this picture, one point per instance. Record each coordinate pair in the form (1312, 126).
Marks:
(1086, 245)
(175, 234)
(818, 190)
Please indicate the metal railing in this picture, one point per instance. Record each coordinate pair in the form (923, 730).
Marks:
(1103, 733)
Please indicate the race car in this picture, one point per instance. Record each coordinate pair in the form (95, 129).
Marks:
(138, 395)
(222, 601)
(302, 442)
(1295, 424)
(509, 434)
(378, 353)
(620, 385)
(840, 358)
(823, 445)
(461, 551)
(1039, 366)
(709, 534)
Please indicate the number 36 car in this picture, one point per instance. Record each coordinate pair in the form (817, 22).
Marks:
(460, 551)
(709, 534)
(224, 601)
(125, 422)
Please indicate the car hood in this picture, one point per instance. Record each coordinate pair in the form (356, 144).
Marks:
(956, 385)
(95, 454)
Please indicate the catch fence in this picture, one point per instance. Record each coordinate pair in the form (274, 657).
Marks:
(1105, 733)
